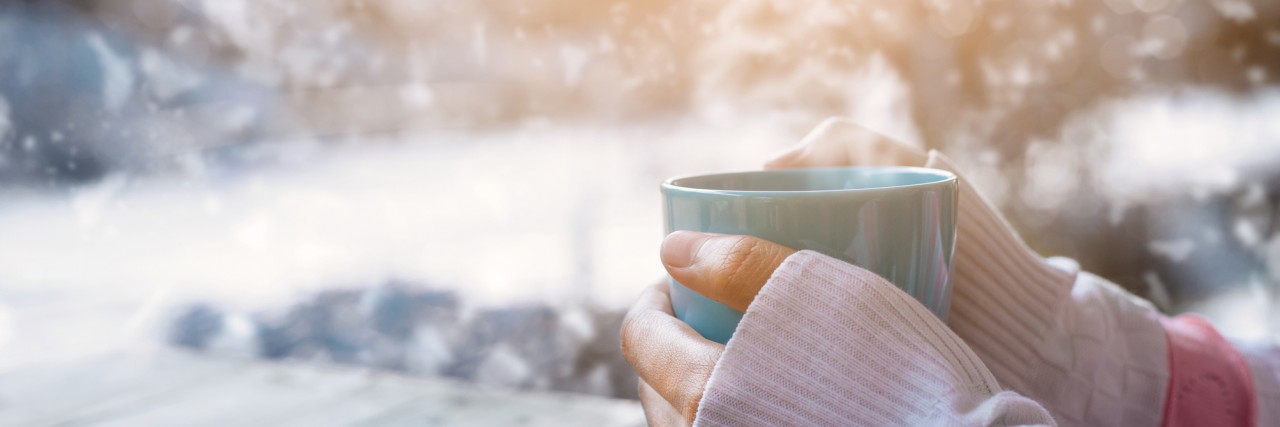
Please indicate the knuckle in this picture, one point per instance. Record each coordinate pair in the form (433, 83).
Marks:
(638, 334)
(727, 269)
(822, 134)
(739, 254)
(632, 333)
(744, 262)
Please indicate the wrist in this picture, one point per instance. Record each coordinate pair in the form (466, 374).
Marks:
(1005, 297)
(1087, 349)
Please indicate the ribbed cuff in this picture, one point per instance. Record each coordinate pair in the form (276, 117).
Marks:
(1209, 381)
(828, 343)
(1004, 295)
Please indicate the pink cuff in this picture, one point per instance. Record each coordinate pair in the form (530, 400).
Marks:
(1209, 381)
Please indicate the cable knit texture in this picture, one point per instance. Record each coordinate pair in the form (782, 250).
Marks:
(1089, 351)
(828, 343)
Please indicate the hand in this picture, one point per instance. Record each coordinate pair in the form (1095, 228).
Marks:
(1042, 332)
(887, 338)
(673, 361)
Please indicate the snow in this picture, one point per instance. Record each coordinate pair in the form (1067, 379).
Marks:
(1272, 259)
(1256, 75)
(1157, 292)
(1164, 37)
(493, 216)
(1200, 140)
(1120, 57)
(573, 59)
(165, 78)
(1246, 232)
(233, 17)
(1151, 6)
(417, 95)
(560, 217)
(1236, 10)
(1175, 251)
(6, 123)
(6, 325)
(117, 74)
(1245, 312)
(238, 338)
(951, 18)
(1052, 171)
(89, 203)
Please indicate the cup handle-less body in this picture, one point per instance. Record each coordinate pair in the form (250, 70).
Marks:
(904, 233)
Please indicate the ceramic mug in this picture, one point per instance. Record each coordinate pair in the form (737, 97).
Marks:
(899, 222)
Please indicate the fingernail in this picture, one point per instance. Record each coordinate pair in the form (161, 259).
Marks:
(680, 248)
(786, 157)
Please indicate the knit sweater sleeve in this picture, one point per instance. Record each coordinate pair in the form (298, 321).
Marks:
(828, 343)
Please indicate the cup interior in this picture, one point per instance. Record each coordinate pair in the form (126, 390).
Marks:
(819, 179)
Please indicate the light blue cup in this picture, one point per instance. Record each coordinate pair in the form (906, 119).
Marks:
(899, 222)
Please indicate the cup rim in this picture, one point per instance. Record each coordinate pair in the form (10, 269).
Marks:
(945, 176)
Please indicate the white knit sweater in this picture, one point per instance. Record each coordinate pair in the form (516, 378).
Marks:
(828, 343)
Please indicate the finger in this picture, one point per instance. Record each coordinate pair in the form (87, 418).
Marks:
(657, 410)
(668, 354)
(841, 142)
(728, 269)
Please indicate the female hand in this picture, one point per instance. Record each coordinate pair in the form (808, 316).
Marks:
(822, 343)
(673, 361)
(1075, 343)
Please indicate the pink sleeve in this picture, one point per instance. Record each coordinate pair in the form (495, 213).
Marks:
(1210, 383)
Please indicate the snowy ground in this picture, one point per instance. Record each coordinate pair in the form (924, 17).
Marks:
(542, 214)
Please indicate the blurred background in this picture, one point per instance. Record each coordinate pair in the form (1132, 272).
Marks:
(465, 193)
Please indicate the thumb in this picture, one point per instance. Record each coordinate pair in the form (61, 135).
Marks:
(725, 268)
